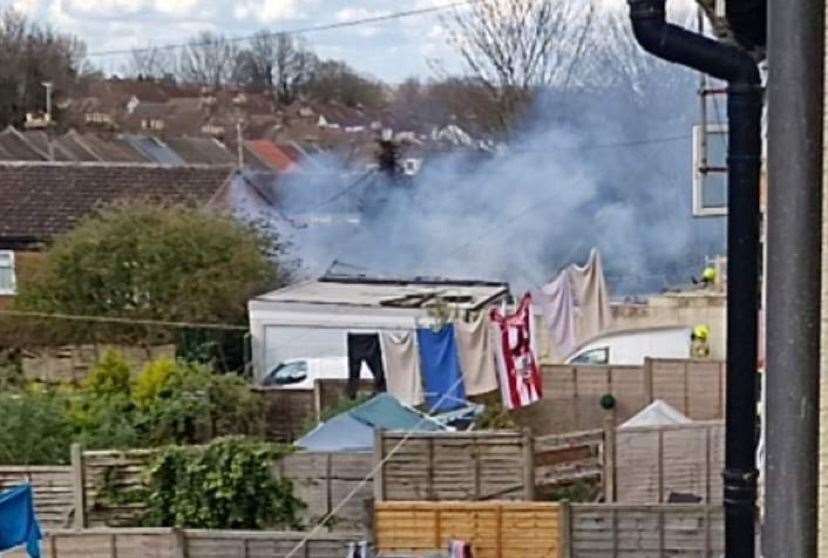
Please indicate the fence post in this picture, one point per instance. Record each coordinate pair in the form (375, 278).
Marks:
(78, 486)
(329, 487)
(179, 544)
(565, 529)
(609, 458)
(528, 465)
(317, 399)
(379, 455)
(648, 380)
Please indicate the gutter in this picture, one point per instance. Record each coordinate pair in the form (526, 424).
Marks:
(744, 106)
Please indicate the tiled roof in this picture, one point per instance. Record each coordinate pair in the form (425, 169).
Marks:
(203, 151)
(15, 147)
(40, 200)
(272, 155)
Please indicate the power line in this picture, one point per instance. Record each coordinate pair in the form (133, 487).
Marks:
(121, 320)
(296, 31)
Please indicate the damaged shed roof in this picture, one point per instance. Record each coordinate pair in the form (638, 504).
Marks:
(390, 293)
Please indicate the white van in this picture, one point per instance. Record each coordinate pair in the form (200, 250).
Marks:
(631, 347)
(300, 373)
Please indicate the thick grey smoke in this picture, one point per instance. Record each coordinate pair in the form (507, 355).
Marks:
(605, 164)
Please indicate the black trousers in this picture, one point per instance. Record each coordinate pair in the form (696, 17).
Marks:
(364, 347)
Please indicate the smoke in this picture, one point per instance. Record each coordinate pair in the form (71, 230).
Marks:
(606, 165)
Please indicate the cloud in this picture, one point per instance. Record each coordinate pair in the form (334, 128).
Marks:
(26, 6)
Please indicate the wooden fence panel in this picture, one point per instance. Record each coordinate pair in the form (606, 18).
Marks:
(676, 530)
(562, 459)
(495, 529)
(288, 412)
(323, 480)
(455, 466)
(52, 486)
(650, 463)
(572, 394)
(171, 543)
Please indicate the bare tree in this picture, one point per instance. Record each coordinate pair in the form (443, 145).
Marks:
(208, 59)
(150, 62)
(280, 63)
(29, 55)
(516, 46)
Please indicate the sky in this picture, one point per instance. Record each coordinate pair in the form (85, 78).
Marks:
(391, 50)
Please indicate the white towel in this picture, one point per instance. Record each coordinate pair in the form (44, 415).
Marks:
(402, 367)
(477, 356)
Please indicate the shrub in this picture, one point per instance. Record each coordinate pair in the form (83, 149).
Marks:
(153, 380)
(109, 376)
(35, 428)
(228, 484)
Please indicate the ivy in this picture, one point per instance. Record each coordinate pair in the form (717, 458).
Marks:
(228, 484)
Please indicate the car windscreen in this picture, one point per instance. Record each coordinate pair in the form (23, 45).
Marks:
(287, 373)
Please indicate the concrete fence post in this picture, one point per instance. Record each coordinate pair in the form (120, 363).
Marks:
(609, 458)
(528, 465)
(78, 486)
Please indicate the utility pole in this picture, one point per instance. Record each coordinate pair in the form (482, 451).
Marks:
(796, 59)
(49, 86)
(240, 141)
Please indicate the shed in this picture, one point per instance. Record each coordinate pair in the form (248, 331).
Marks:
(312, 319)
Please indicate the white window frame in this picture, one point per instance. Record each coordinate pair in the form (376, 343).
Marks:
(699, 210)
(13, 290)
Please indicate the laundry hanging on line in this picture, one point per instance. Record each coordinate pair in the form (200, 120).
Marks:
(18, 522)
(518, 370)
(575, 305)
(440, 366)
(364, 347)
(402, 360)
(477, 358)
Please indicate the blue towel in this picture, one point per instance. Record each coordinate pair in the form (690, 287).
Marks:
(440, 367)
(18, 523)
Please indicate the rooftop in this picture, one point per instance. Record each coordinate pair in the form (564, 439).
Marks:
(39, 200)
(390, 293)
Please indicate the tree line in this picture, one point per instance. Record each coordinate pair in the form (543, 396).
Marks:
(512, 52)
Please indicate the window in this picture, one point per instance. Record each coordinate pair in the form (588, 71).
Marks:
(710, 170)
(8, 283)
(595, 357)
(287, 373)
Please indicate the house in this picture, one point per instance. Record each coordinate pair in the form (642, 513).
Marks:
(312, 319)
(40, 200)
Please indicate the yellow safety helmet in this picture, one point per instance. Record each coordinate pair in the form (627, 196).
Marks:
(709, 274)
(701, 332)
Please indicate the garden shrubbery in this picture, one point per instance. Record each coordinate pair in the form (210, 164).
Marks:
(168, 402)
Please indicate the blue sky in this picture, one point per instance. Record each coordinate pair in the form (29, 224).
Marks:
(391, 50)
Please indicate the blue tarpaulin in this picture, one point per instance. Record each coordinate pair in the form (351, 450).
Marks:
(353, 430)
(18, 523)
(440, 366)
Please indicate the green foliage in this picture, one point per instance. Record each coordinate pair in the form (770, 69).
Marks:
(185, 402)
(580, 491)
(110, 376)
(228, 484)
(36, 429)
(152, 381)
(171, 402)
(495, 416)
(144, 261)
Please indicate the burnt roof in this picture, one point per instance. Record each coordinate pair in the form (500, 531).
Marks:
(41, 200)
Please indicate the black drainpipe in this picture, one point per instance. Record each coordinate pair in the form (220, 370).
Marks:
(744, 110)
